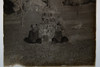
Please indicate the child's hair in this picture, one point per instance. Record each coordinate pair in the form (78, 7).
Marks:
(31, 26)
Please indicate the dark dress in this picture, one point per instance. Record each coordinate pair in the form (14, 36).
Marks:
(58, 37)
(33, 37)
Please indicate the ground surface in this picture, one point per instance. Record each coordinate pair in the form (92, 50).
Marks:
(79, 28)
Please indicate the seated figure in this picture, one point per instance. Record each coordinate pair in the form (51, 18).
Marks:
(58, 37)
(33, 36)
